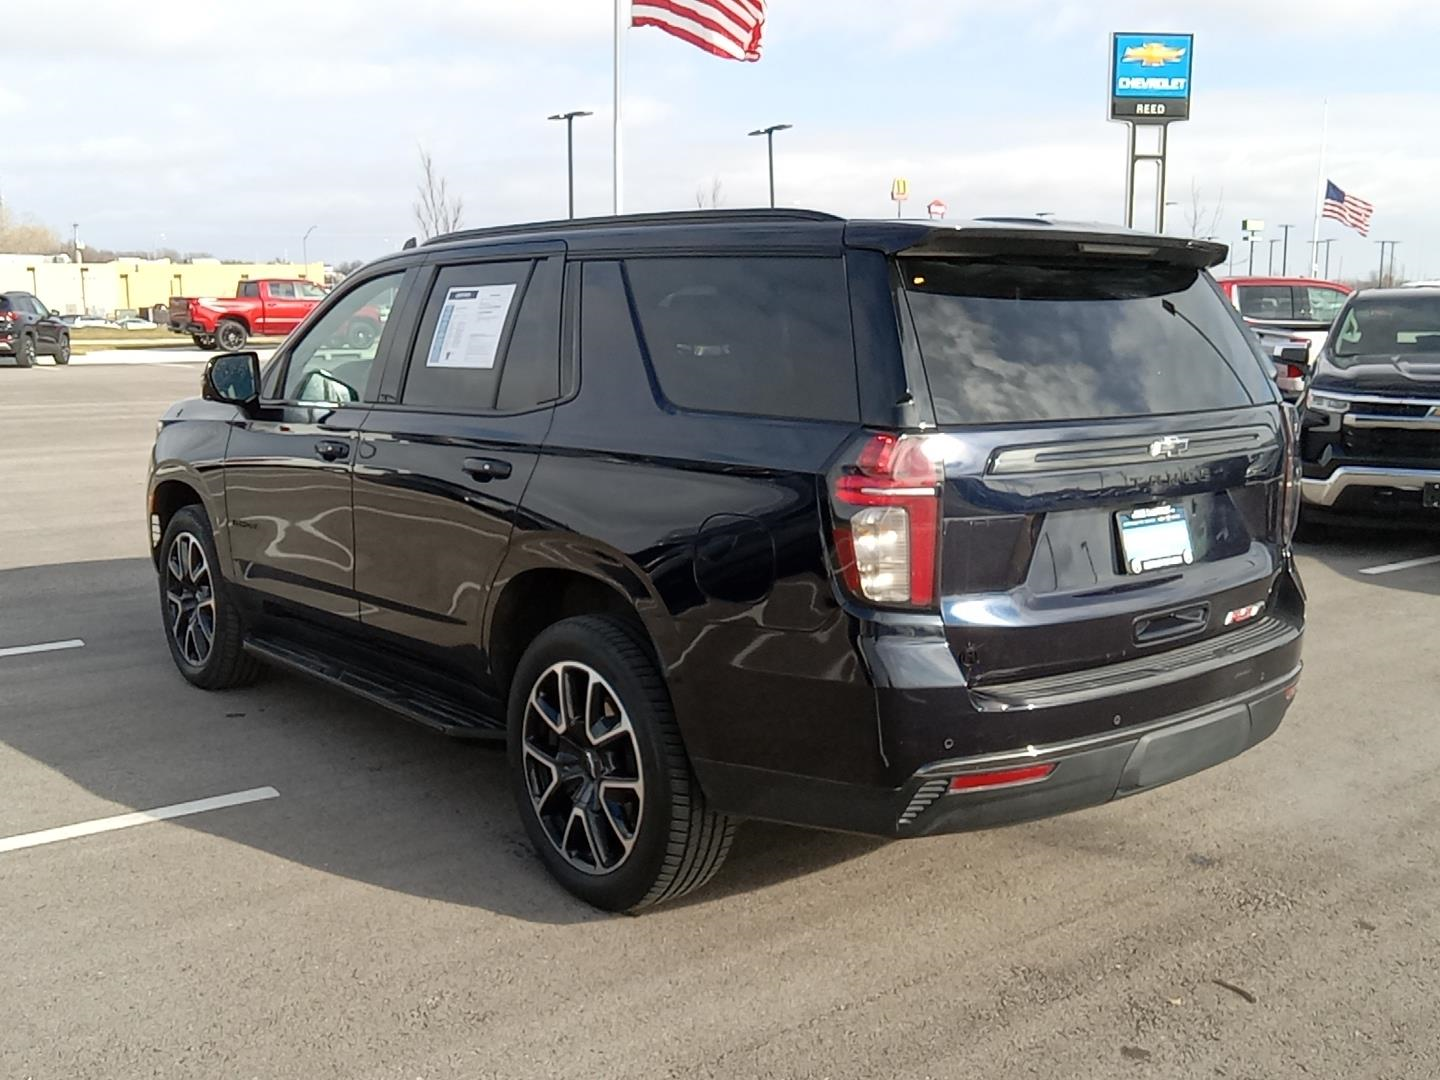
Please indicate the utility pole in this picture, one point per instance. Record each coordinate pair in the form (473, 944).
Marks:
(569, 118)
(769, 134)
(1285, 251)
(1392, 244)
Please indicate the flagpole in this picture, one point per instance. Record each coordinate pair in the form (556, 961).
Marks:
(619, 170)
(1319, 193)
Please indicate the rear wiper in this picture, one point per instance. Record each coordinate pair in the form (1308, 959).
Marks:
(1173, 310)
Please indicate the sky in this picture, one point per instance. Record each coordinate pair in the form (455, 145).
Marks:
(234, 127)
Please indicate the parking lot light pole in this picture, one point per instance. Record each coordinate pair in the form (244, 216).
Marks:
(769, 133)
(1270, 256)
(305, 245)
(1285, 250)
(569, 118)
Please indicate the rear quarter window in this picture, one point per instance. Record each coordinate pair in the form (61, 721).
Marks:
(1018, 343)
(762, 336)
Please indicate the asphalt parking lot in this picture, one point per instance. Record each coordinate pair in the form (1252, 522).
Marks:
(381, 914)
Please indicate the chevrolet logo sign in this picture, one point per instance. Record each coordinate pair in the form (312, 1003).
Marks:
(1171, 446)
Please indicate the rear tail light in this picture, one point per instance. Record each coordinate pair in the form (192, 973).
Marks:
(1001, 778)
(10, 316)
(888, 548)
(1290, 476)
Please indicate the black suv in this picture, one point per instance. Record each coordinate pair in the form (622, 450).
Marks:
(1370, 431)
(28, 329)
(893, 527)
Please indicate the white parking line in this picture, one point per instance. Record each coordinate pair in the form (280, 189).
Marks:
(1408, 564)
(48, 646)
(140, 817)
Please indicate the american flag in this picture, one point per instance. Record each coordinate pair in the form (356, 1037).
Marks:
(1347, 209)
(727, 28)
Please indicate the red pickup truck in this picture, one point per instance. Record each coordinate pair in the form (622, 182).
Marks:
(269, 307)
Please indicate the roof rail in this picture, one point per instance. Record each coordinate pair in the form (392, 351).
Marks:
(668, 217)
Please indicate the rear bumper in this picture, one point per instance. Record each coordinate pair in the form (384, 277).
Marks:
(1087, 772)
(1327, 491)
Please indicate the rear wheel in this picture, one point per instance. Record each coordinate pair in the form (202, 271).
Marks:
(361, 334)
(601, 777)
(230, 335)
(25, 351)
(202, 624)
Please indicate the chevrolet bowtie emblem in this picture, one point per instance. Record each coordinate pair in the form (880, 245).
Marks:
(1153, 54)
(1170, 446)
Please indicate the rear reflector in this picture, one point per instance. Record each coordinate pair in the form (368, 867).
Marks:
(986, 781)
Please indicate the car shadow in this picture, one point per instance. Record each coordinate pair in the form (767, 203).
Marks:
(363, 794)
(1350, 546)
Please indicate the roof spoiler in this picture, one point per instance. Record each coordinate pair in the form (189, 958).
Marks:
(1000, 242)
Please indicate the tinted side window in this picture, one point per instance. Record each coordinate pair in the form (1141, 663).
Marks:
(1266, 302)
(282, 290)
(469, 318)
(250, 289)
(332, 361)
(763, 336)
(531, 373)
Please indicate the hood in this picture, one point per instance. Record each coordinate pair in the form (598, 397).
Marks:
(1410, 373)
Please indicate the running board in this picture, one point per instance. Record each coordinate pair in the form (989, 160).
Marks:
(435, 711)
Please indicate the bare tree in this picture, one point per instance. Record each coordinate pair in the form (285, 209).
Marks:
(1200, 217)
(26, 237)
(436, 210)
(713, 197)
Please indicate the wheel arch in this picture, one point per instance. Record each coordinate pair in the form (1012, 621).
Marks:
(174, 487)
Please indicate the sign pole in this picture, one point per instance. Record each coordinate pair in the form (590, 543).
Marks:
(1160, 183)
(1130, 177)
(618, 179)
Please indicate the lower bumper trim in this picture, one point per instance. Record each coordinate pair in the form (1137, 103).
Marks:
(1325, 492)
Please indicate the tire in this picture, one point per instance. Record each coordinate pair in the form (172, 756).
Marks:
(361, 334)
(676, 842)
(25, 351)
(204, 341)
(230, 336)
(190, 585)
(62, 354)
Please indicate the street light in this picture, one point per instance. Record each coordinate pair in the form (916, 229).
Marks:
(305, 245)
(769, 134)
(569, 118)
(1270, 255)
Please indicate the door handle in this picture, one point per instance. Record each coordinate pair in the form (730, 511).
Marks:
(332, 449)
(486, 469)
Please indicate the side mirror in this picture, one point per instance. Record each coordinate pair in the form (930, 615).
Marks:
(233, 378)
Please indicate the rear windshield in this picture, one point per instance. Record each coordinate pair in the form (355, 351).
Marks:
(1396, 326)
(1013, 343)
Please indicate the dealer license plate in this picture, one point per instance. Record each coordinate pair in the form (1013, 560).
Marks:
(1154, 538)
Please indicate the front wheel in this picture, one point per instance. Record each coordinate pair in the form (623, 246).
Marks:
(62, 354)
(202, 624)
(231, 336)
(600, 774)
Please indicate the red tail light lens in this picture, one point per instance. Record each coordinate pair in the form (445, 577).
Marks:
(889, 547)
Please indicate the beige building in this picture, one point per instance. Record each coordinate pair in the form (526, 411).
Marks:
(131, 285)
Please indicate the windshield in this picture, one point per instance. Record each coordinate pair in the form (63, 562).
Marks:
(1394, 325)
(1006, 343)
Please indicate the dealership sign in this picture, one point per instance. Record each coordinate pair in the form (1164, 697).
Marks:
(1150, 77)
